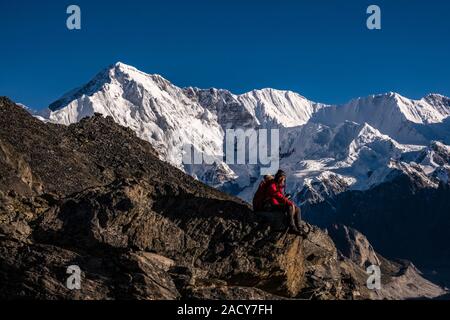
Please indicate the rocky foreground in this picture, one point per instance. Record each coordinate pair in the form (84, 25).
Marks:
(94, 195)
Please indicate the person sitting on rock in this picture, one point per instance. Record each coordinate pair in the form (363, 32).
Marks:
(271, 197)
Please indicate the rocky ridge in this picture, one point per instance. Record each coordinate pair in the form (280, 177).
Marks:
(94, 195)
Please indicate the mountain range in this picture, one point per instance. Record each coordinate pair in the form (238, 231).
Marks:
(332, 153)
(354, 142)
(95, 197)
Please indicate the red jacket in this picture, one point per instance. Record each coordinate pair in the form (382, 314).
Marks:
(275, 194)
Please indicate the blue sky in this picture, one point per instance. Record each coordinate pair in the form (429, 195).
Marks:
(321, 49)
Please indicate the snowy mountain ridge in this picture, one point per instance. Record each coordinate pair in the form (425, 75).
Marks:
(356, 144)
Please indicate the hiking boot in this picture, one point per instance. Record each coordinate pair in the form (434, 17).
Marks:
(303, 230)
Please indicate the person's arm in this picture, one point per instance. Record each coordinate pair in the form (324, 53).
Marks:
(279, 196)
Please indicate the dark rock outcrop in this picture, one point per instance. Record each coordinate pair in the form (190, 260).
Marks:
(93, 195)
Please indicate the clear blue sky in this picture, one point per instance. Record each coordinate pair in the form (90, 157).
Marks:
(319, 48)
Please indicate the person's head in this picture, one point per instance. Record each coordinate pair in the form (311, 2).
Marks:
(280, 178)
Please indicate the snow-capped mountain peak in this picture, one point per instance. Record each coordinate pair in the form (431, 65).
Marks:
(354, 144)
(401, 118)
(285, 108)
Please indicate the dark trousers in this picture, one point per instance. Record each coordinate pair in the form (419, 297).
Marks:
(292, 213)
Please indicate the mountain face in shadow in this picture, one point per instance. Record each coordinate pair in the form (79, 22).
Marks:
(403, 217)
(95, 197)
